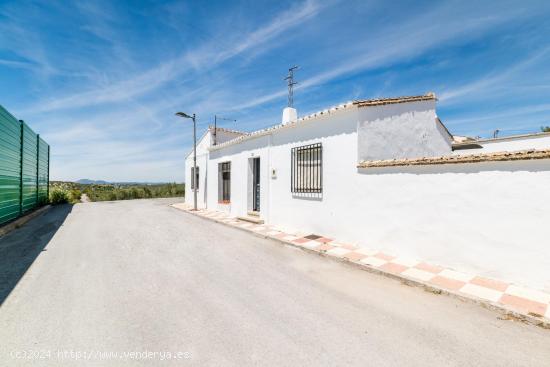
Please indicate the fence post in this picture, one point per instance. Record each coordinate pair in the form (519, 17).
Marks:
(37, 164)
(21, 167)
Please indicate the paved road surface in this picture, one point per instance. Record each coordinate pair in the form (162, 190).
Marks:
(140, 276)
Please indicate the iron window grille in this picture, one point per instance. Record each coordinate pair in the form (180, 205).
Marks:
(194, 178)
(307, 169)
(224, 171)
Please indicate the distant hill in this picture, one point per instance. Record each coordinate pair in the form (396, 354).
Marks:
(86, 181)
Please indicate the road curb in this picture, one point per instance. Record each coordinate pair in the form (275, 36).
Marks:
(7, 228)
(508, 313)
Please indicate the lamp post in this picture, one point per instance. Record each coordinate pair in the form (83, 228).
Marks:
(194, 175)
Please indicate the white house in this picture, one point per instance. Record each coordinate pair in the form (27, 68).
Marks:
(387, 174)
(208, 139)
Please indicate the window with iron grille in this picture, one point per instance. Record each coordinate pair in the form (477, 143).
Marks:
(224, 183)
(194, 178)
(307, 169)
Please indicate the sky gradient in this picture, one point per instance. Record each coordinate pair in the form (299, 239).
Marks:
(100, 81)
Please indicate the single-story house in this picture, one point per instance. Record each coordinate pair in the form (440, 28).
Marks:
(388, 174)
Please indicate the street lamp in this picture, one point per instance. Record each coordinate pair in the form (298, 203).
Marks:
(194, 175)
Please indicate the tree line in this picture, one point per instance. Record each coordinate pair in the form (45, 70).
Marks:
(71, 192)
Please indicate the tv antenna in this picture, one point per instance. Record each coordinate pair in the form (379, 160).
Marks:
(291, 83)
(216, 118)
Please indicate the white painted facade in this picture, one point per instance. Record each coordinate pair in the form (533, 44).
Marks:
(507, 144)
(404, 130)
(203, 145)
(486, 218)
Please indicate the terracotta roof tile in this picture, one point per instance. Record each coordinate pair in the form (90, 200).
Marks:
(211, 128)
(383, 101)
(466, 158)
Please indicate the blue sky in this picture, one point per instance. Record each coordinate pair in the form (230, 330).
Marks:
(100, 81)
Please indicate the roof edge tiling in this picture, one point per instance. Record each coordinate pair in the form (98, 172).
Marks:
(505, 138)
(455, 159)
(291, 124)
(357, 103)
(236, 132)
(430, 96)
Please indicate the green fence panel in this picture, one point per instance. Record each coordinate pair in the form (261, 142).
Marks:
(43, 170)
(10, 165)
(24, 167)
(30, 162)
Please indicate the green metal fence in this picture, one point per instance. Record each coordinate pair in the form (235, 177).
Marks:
(24, 167)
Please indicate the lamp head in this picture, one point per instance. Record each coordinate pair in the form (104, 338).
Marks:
(184, 115)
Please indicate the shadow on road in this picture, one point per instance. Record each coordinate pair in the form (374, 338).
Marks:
(19, 249)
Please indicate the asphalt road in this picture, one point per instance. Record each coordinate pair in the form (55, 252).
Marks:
(105, 280)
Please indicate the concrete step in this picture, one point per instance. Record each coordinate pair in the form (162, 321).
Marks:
(251, 219)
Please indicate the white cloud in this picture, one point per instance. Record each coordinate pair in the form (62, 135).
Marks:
(119, 124)
(17, 64)
(280, 24)
(391, 45)
(494, 80)
(203, 58)
(505, 114)
(27, 46)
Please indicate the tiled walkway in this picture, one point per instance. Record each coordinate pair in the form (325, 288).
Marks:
(520, 300)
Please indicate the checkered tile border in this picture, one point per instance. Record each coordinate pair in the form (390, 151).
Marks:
(523, 301)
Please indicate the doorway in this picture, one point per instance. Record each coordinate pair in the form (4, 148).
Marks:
(256, 184)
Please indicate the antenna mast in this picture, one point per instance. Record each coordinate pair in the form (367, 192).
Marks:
(291, 83)
(216, 118)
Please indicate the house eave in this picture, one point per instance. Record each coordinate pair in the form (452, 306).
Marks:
(275, 128)
(504, 138)
(530, 154)
(323, 113)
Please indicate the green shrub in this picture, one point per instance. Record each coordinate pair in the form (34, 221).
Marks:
(74, 196)
(59, 196)
(102, 192)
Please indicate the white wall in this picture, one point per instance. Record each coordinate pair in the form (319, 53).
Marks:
(239, 155)
(486, 218)
(541, 141)
(406, 130)
(338, 135)
(202, 163)
(205, 175)
(224, 135)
